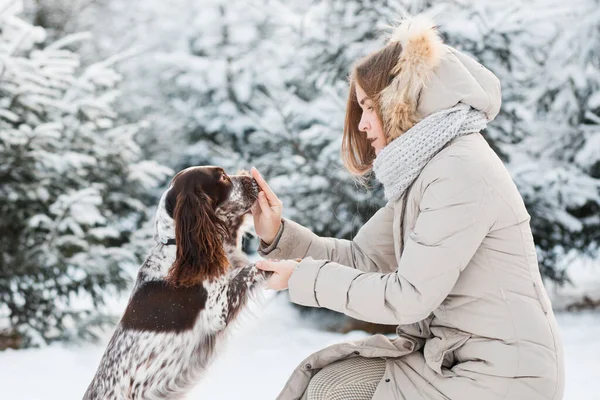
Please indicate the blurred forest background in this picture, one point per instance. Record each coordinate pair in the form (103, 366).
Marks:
(101, 101)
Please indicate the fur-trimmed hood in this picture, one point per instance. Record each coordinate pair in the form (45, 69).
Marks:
(432, 76)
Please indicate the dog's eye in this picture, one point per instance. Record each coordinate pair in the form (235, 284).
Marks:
(224, 177)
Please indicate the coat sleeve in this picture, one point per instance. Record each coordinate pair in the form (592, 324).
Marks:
(372, 249)
(456, 213)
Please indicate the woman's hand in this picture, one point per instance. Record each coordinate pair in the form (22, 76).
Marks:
(282, 270)
(266, 210)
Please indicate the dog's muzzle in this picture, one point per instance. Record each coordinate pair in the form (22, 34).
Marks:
(255, 188)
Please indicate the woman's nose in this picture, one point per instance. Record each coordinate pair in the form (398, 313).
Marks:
(363, 125)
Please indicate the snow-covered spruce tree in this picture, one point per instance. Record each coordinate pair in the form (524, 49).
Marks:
(546, 56)
(267, 85)
(261, 83)
(55, 16)
(560, 180)
(273, 84)
(264, 83)
(72, 187)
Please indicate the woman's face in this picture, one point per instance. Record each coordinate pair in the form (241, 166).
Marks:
(369, 121)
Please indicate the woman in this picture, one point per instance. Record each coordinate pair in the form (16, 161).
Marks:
(450, 259)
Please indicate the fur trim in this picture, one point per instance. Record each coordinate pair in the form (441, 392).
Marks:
(422, 49)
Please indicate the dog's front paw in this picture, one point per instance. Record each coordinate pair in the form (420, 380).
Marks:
(262, 275)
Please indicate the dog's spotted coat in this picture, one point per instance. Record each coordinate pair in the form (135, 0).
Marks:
(169, 333)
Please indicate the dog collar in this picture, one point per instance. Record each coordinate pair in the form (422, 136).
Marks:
(168, 242)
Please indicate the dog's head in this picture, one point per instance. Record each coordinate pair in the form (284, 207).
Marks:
(202, 208)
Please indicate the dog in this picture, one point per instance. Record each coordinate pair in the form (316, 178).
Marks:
(187, 292)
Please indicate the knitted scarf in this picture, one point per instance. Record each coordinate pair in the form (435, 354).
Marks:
(400, 162)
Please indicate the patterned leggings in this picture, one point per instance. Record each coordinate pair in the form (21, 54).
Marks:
(351, 379)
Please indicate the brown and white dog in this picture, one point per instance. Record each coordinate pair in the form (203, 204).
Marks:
(187, 292)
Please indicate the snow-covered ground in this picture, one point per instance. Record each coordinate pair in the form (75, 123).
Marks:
(264, 350)
(584, 274)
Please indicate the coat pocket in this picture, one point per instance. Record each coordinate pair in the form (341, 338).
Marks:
(439, 351)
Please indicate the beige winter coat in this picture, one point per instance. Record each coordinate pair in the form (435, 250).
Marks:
(452, 262)
(454, 265)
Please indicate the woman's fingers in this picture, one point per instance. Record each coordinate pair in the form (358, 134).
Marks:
(255, 208)
(263, 203)
(264, 186)
(266, 266)
(282, 270)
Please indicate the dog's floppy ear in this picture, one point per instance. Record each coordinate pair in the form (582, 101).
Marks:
(198, 235)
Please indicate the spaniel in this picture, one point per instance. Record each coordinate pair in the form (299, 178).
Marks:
(188, 291)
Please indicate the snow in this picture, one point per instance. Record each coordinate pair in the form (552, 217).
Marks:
(258, 358)
(584, 274)
(234, 82)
